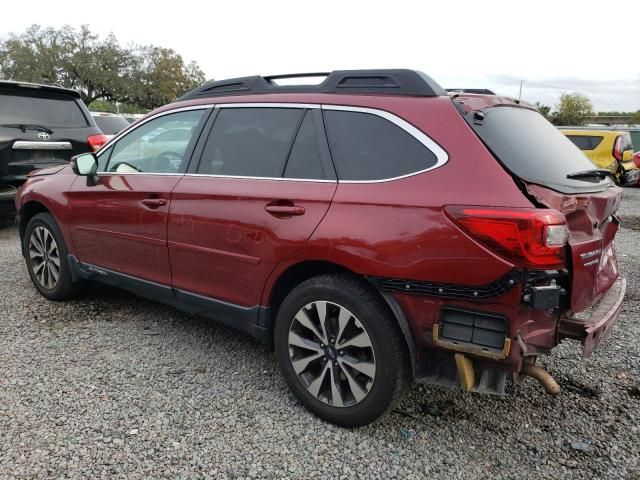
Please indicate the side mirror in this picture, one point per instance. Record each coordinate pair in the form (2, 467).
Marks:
(86, 165)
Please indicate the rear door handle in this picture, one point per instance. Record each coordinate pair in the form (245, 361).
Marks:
(154, 202)
(284, 210)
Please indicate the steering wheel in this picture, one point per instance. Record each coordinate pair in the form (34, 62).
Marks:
(164, 162)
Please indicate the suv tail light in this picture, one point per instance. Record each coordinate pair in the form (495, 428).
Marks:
(530, 237)
(96, 141)
(617, 149)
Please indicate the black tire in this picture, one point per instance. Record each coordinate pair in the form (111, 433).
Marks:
(392, 367)
(63, 288)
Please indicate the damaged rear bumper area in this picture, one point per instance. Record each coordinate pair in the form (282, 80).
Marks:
(592, 330)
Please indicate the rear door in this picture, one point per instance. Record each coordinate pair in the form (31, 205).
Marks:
(263, 182)
(120, 222)
(39, 129)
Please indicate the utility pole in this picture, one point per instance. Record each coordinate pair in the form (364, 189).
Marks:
(520, 94)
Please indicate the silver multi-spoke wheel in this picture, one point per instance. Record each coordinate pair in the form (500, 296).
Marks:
(332, 354)
(44, 257)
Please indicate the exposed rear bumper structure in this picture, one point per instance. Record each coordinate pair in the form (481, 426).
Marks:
(593, 330)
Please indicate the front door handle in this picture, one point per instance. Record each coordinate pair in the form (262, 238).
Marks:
(154, 202)
(284, 210)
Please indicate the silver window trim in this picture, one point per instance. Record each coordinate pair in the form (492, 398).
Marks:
(34, 145)
(441, 155)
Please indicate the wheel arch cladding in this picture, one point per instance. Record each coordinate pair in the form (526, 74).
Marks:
(27, 212)
(297, 273)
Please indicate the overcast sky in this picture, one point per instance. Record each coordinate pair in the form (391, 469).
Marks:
(555, 46)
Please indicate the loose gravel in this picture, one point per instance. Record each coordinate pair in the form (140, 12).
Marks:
(113, 386)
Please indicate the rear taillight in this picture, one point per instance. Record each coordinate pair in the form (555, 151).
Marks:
(530, 237)
(96, 141)
(617, 149)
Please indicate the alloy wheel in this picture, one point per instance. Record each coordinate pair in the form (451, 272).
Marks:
(44, 257)
(332, 354)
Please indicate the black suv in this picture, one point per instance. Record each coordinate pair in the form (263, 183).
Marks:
(40, 126)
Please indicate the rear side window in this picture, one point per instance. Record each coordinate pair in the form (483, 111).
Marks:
(365, 146)
(585, 142)
(49, 111)
(252, 142)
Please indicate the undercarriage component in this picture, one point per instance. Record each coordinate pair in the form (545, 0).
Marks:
(542, 376)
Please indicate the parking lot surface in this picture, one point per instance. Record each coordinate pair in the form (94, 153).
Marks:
(113, 386)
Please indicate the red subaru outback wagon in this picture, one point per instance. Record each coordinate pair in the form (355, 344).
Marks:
(374, 229)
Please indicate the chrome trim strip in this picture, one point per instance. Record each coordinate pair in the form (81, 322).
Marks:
(279, 179)
(28, 145)
(269, 105)
(437, 150)
(441, 155)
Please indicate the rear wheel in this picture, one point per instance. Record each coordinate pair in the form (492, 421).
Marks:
(46, 258)
(340, 350)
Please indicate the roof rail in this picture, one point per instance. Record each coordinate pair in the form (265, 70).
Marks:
(382, 81)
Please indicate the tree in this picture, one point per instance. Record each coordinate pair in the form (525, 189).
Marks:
(544, 110)
(143, 77)
(572, 109)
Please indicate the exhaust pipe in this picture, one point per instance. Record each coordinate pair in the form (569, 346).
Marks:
(542, 376)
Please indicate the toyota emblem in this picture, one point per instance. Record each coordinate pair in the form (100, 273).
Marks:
(43, 136)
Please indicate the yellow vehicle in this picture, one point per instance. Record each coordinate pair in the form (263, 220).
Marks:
(609, 150)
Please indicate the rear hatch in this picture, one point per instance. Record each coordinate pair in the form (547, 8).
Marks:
(40, 126)
(542, 160)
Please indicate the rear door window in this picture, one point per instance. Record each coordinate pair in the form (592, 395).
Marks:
(305, 159)
(365, 146)
(250, 142)
(51, 111)
(586, 142)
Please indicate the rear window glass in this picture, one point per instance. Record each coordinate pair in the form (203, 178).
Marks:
(533, 149)
(367, 147)
(585, 142)
(110, 125)
(50, 111)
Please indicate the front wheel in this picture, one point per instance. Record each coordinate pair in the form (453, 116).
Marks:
(46, 257)
(340, 350)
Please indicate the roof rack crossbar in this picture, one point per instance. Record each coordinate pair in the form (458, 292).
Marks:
(382, 81)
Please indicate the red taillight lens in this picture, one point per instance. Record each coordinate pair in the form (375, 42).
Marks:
(530, 237)
(96, 141)
(617, 149)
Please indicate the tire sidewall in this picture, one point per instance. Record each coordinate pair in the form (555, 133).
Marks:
(64, 284)
(368, 313)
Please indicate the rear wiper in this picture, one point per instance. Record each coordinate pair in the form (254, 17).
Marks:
(24, 127)
(600, 173)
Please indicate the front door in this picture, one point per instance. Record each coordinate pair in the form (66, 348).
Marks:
(263, 184)
(119, 222)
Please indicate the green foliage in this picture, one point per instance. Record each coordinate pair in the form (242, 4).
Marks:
(544, 110)
(572, 109)
(100, 69)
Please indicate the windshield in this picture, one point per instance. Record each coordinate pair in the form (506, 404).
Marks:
(50, 111)
(110, 125)
(533, 149)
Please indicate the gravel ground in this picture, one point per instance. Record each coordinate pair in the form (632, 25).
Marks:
(112, 386)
